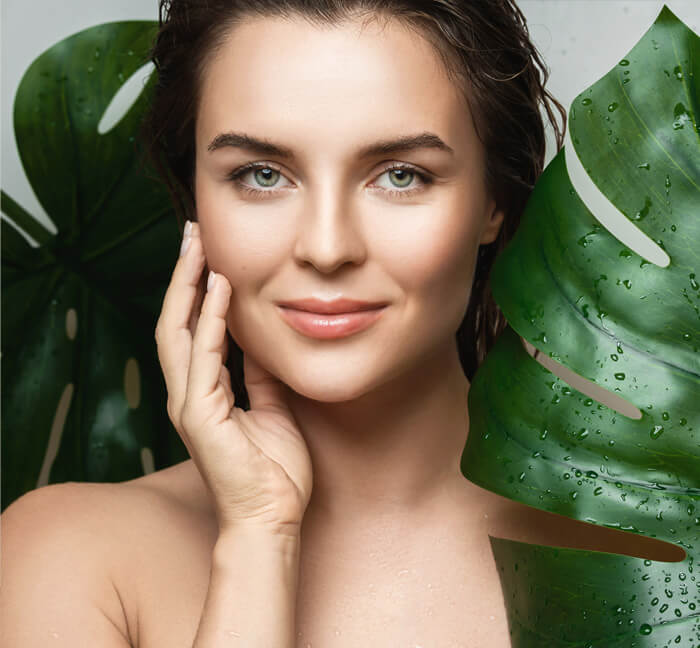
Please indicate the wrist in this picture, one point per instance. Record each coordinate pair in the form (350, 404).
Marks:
(285, 541)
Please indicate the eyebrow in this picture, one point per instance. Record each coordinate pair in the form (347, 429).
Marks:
(396, 145)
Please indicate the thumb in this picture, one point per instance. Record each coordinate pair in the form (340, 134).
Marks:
(265, 391)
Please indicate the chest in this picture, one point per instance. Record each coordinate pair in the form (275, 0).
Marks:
(447, 595)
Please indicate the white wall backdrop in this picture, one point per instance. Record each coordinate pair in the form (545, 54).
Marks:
(579, 39)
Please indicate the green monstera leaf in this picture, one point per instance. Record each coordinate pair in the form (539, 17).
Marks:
(624, 322)
(82, 393)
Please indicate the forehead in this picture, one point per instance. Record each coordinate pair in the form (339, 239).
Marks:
(338, 85)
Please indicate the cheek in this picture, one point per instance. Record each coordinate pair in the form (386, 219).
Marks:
(243, 243)
(437, 263)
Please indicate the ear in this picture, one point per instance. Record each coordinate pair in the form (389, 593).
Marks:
(492, 225)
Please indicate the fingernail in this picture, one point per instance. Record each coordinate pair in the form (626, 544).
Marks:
(186, 237)
(185, 244)
(210, 281)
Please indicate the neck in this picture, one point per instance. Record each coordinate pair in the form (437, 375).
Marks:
(392, 452)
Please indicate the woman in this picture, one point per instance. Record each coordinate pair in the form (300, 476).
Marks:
(379, 152)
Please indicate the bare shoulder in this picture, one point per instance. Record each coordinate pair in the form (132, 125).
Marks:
(102, 540)
(57, 570)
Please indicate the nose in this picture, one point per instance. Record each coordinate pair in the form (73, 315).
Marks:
(329, 233)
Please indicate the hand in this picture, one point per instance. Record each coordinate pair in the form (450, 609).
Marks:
(255, 464)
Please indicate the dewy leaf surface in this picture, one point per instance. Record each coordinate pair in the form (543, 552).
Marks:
(79, 311)
(584, 298)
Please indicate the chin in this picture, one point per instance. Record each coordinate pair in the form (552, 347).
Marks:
(329, 391)
(328, 384)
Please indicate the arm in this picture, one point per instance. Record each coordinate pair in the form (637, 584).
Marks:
(252, 593)
(54, 584)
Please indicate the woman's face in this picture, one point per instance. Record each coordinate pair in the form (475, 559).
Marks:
(329, 220)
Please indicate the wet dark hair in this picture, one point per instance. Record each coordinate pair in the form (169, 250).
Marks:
(486, 50)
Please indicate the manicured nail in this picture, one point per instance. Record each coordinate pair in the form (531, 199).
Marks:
(210, 281)
(185, 245)
(186, 238)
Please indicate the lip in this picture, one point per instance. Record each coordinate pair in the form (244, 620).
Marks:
(325, 326)
(330, 307)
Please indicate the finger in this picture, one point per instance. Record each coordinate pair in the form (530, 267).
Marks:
(174, 335)
(205, 392)
(225, 380)
(264, 389)
(198, 299)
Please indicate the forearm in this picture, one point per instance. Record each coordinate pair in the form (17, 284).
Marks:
(252, 593)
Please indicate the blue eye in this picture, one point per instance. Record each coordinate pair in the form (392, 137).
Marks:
(404, 172)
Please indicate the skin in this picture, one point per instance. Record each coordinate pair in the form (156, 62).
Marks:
(384, 411)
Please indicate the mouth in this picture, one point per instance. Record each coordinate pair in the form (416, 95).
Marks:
(328, 326)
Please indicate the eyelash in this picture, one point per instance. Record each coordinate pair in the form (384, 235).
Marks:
(425, 179)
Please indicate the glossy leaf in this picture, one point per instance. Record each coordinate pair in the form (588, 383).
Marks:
(572, 289)
(82, 392)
